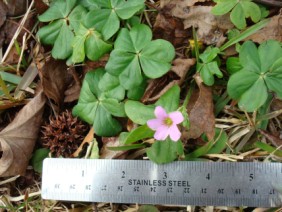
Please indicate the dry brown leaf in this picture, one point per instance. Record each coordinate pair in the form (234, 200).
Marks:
(109, 154)
(72, 93)
(273, 30)
(101, 63)
(16, 7)
(3, 12)
(180, 3)
(6, 104)
(273, 3)
(180, 69)
(73, 90)
(276, 104)
(276, 141)
(13, 8)
(18, 138)
(87, 140)
(210, 28)
(201, 112)
(55, 78)
(10, 27)
(170, 28)
(13, 56)
(40, 6)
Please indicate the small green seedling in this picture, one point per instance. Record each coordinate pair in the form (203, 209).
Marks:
(208, 62)
(208, 67)
(240, 10)
(88, 42)
(260, 73)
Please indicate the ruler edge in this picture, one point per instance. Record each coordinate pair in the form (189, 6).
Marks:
(48, 160)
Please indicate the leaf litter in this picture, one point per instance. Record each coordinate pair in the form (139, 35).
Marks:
(201, 113)
(18, 140)
(171, 20)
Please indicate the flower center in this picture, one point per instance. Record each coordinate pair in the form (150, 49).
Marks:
(168, 121)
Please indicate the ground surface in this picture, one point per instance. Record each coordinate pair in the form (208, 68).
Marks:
(38, 94)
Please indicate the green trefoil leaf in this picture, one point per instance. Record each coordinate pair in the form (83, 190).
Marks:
(106, 17)
(260, 74)
(208, 67)
(135, 55)
(240, 11)
(88, 42)
(94, 108)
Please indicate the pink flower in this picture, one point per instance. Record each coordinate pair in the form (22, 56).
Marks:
(166, 124)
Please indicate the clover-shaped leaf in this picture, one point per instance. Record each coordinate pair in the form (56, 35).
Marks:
(57, 10)
(110, 85)
(89, 4)
(94, 108)
(64, 18)
(140, 113)
(165, 151)
(134, 51)
(261, 72)
(208, 66)
(106, 18)
(241, 9)
(88, 42)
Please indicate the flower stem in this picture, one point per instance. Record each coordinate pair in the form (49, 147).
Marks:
(196, 44)
(188, 96)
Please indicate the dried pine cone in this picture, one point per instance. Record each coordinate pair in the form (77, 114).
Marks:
(63, 134)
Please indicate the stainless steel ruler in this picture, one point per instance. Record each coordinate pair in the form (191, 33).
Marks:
(178, 183)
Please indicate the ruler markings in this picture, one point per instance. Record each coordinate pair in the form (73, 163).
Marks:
(187, 183)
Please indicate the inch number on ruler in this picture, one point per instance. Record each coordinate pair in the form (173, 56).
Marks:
(182, 183)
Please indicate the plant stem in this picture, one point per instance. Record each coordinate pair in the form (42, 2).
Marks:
(187, 98)
(196, 44)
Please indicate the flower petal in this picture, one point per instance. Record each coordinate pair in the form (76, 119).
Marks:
(176, 117)
(160, 113)
(161, 133)
(174, 133)
(154, 124)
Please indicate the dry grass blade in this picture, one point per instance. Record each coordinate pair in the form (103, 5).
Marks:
(21, 55)
(227, 157)
(241, 132)
(17, 32)
(22, 197)
(26, 80)
(9, 180)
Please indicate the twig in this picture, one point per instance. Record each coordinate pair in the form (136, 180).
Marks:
(30, 34)
(9, 180)
(22, 197)
(17, 32)
(21, 55)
